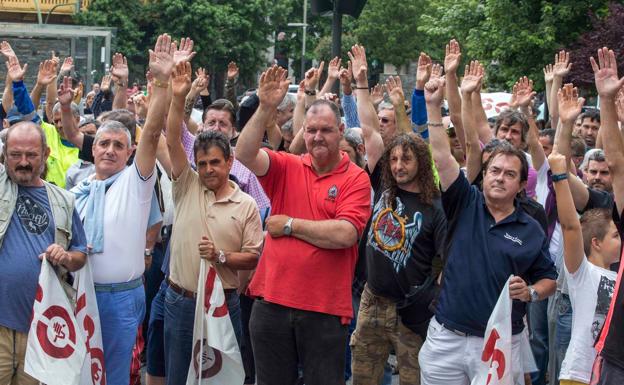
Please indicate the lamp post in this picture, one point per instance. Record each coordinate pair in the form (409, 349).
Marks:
(304, 25)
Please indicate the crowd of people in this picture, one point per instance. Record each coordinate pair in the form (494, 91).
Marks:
(344, 228)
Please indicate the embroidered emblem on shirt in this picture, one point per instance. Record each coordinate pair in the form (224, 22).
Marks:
(332, 193)
(34, 218)
(513, 239)
(392, 234)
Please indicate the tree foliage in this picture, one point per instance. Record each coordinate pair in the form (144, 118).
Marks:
(607, 31)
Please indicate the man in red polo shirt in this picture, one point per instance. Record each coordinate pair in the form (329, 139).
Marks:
(320, 203)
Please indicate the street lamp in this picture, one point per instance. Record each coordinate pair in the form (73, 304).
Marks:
(304, 25)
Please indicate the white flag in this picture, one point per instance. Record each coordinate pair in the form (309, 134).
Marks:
(496, 357)
(55, 350)
(216, 358)
(88, 318)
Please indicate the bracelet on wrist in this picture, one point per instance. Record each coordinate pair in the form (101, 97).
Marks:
(362, 88)
(434, 124)
(310, 92)
(559, 177)
(160, 84)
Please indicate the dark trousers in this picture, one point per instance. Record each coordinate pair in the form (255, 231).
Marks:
(283, 338)
(605, 373)
(246, 304)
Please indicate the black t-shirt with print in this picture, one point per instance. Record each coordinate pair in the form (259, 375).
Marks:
(401, 244)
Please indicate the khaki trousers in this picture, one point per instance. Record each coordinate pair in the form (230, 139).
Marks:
(12, 353)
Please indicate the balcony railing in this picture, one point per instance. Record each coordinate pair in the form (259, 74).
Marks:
(67, 7)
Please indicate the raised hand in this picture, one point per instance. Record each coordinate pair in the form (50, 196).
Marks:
(14, 70)
(570, 105)
(605, 74)
(452, 57)
(557, 162)
(548, 73)
(119, 70)
(68, 65)
(377, 94)
(524, 92)
(184, 52)
(333, 69)
(423, 71)
(161, 60)
(434, 91)
(47, 72)
(562, 64)
(273, 86)
(436, 71)
(201, 80)
(619, 105)
(359, 66)
(55, 58)
(301, 92)
(181, 79)
(346, 76)
(7, 50)
(395, 90)
(312, 77)
(232, 71)
(105, 83)
(140, 105)
(65, 92)
(473, 76)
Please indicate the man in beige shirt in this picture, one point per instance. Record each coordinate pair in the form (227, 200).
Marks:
(213, 220)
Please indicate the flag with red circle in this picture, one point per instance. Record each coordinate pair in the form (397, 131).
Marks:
(56, 349)
(495, 366)
(216, 358)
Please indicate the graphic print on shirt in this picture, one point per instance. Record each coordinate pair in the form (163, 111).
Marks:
(392, 233)
(605, 292)
(34, 218)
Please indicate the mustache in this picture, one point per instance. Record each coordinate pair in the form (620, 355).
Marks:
(23, 168)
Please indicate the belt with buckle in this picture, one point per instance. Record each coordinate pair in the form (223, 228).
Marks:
(190, 294)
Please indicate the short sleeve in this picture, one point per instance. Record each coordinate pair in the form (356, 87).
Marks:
(457, 196)
(180, 184)
(354, 204)
(542, 267)
(253, 236)
(79, 240)
(598, 199)
(577, 277)
(155, 215)
(276, 172)
(439, 233)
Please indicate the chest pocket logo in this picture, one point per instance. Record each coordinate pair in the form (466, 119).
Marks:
(332, 193)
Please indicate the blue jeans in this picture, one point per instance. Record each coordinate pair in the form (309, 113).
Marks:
(538, 337)
(155, 346)
(563, 331)
(179, 320)
(121, 314)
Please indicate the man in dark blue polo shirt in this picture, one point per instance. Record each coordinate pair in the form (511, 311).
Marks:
(489, 239)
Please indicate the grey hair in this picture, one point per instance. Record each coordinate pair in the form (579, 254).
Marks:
(74, 109)
(287, 127)
(289, 100)
(112, 126)
(353, 138)
(596, 154)
(332, 106)
(385, 106)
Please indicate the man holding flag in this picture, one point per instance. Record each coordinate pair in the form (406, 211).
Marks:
(37, 220)
(489, 240)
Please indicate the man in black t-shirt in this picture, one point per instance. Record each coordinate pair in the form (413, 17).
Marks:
(407, 231)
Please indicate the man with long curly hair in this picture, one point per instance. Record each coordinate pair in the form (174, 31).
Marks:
(407, 231)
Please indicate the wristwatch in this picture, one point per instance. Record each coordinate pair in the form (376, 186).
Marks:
(221, 259)
(147, 253)
(533, 294)
(288, 227)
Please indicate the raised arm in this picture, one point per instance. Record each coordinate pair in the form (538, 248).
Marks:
(448, 169)
(297, 146)
(366, 111)
(561, 68)
(473, 77)
(419, 108)
(231, 83)
(395, 94)
(524, 94)
(548, 81)
(333, 72)
(7, 95)
(608, 84)
(70, 129)
(180, 84)
(199, 84)
(569, 107)
(311, 80)
(481, 121)
(119, 75)
(45, 76)
(451, 63)
(271, 90)
(349, 104)
(161, 62)
(570, 225)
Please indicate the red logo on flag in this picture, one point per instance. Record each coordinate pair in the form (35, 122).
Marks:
(220, 311)
(55, 335)
(211, 360)
(490, 352)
